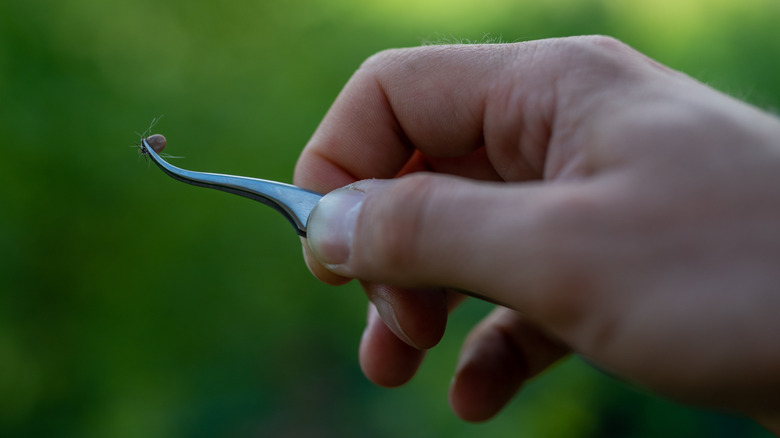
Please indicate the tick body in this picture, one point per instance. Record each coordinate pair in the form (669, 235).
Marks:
(156, 142)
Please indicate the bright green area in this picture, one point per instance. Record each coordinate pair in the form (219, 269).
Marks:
(132, 305)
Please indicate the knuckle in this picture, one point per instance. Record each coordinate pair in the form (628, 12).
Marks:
(600, 57)
(586, 259)
(564, 246)
(574, 259)
(382, 60)
(598, 46)
(604, 41)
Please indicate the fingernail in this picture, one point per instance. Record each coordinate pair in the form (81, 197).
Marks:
(331, 225)
(387, 313)
(372, 317)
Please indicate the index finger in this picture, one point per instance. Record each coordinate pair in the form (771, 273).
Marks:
(428, 99)
(521, 102)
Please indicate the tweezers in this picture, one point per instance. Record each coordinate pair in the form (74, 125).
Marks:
(294, 203)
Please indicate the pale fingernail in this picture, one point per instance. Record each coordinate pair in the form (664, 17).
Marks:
(387, 313)
(331, 226)
(372, 317)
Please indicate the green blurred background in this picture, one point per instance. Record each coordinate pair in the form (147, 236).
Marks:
(132, 305)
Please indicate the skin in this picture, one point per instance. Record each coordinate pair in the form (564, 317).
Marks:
(616, 209)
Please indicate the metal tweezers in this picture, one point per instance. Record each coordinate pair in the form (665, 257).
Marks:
(293, 202)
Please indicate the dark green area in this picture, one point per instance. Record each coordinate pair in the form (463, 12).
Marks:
(132, 305)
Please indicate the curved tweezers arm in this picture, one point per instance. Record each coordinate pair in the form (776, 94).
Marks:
(293, 202)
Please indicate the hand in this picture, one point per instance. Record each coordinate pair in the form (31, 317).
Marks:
(614, 207)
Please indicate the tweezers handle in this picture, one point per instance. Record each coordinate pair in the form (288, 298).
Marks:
(293, 202)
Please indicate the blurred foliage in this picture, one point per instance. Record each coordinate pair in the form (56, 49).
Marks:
(135, 306)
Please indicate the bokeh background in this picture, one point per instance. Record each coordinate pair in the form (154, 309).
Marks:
(132, 305)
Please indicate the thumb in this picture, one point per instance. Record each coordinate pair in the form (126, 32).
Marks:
(426, 230)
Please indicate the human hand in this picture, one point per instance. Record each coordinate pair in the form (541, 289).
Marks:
(614, 207)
